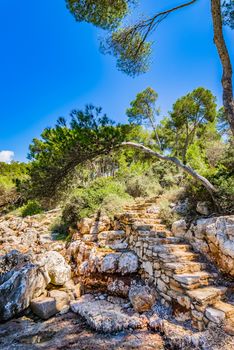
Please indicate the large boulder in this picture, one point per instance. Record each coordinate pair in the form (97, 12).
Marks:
(56, 267)
(11, 260)
(142, 297)
(104, 316)
(18, 287)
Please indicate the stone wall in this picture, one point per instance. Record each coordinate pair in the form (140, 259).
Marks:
(181, 280)
(213, 237)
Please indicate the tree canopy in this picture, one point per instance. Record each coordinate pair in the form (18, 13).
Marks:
(89, 134)
(131, 43)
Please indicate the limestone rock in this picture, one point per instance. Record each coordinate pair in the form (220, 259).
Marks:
(104, 316)
(119, 286)
(142, 297)
(44, 307)
(215, 238)
(202, 208)
(128, 263)
(56, 267)
(18, 287)
(179, 228)
(84, 225)
(61, 299)
(109, 263)
(215, 315)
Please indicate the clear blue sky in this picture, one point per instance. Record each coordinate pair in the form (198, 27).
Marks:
(50, 64)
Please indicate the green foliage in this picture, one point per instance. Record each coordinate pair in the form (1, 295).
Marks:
(130, 49)
(166, 214)
(60, 149)
(143, 186)
(87, 201)
(11, 173)
(106, 14)
(114, 203)
(143, 110)
(228, 13)
(192, 118)
(32, 207)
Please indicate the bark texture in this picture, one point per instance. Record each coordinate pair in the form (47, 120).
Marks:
(228, 101)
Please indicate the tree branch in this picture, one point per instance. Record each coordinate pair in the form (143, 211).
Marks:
(210, 188)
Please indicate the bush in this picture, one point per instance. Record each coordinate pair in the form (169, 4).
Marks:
(32, 207)
(114, 204)
(166, 214)
(143, 186)
(87, 201)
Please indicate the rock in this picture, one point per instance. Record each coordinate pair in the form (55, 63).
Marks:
(179, 228)
(142, 297)
(214, 237)
(11, 260)
(102, 224)
(61, 299)
(215, 315)
(128, 263)
(44, 307)
(202, 208)
(109, 263)
(84, 225)
(148, 267)
(119, 286)
(154, 322)
(30, 237)
(104, 316)
(55, 267)
(181, 207)
(18, 288)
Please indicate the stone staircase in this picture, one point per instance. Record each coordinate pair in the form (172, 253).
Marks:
(180, 275)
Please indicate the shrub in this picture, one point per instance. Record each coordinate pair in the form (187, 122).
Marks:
(143, 186)
(166, 214)
(32, 207)
(87, 201)
(114, 204)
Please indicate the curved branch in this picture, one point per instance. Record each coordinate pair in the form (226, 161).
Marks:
(210, 188)
(148, 26)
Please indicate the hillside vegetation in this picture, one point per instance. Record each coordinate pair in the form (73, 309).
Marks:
(89, 164)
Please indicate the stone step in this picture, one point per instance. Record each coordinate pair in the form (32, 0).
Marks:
(145, 221)
(226, 308)
(162, 240)
(168, 248)
(114, 245)
(187, 267)
(111, 235)
(177, 247)
(148, 216)
(206, 295)
(136, 209)
(178, 257)
(194, 279)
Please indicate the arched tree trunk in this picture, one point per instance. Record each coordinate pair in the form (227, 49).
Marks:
(210, 188)
(228, 101)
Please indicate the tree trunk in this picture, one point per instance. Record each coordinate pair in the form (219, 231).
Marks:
(210, 188)
(228, 101)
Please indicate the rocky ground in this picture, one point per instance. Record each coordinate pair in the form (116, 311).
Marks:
(87, 294)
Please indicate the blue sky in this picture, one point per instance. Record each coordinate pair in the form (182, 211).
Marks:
(49, 64)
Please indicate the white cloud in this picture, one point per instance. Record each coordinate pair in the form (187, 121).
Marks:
(6, 156)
